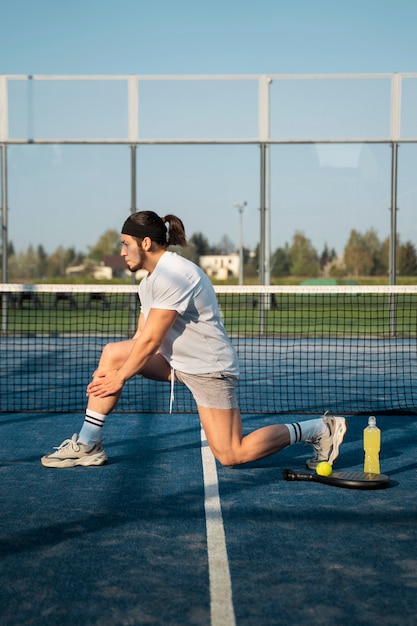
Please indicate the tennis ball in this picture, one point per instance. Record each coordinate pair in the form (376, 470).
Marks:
(324, 469)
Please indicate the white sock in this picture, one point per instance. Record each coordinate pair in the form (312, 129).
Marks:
(90, 432)
(304, 431)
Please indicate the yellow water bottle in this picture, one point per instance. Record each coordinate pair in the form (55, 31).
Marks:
(372, 446)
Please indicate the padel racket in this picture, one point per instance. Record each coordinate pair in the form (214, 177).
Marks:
(348, 480)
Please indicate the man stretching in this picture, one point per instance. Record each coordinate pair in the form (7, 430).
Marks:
(180, 337)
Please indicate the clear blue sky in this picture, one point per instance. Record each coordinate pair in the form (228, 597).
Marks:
(68, 196)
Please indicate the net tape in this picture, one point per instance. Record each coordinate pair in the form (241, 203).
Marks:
(346, 349)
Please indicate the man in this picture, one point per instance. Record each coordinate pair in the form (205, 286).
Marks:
(180, 337)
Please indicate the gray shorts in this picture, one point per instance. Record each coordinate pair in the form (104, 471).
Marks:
(214, 391)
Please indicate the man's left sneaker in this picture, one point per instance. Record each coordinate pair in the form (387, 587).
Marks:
(71, 453)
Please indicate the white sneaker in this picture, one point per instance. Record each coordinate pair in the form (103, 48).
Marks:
(71, 453)
(326, 446)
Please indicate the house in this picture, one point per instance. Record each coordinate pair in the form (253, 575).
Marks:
(220, 266)
(110, 267)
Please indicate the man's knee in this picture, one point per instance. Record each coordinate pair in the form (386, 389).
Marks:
(107, 351)
(227, 457)
(113, 355)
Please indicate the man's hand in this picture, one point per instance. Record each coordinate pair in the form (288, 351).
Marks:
(105, 383)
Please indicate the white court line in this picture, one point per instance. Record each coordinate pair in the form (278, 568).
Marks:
(221, 604)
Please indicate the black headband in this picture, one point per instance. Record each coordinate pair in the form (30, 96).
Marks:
(154, 232)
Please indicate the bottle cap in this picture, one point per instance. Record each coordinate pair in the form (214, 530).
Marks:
(372, 420)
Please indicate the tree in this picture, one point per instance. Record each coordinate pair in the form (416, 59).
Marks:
(225, 246)
(188, 252)
(108, 245)
(327, 256)
(280, 263)
(22, 266)
(200, 243)
(42, 262)
(303, 257)
(364, 255)
(407, 259)
(358, 261)
(385, 251)
(375, 250)
(56, 263)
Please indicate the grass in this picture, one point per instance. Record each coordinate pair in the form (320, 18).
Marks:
(117, 314)
(308, 315)
(316, 315)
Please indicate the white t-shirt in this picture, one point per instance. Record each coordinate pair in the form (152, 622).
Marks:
(197, 343)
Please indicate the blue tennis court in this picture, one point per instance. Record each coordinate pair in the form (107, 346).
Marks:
(164, 535)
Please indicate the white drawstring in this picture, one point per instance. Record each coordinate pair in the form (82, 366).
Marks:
(171, 399)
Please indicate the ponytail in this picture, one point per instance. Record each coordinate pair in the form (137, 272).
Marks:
(176, 232)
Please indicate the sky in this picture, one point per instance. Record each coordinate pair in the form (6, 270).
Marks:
(60, 195)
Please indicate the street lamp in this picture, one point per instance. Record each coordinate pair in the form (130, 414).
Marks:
(240, 208)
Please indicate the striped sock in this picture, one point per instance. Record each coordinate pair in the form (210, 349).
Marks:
(304, 431)
(90, 432)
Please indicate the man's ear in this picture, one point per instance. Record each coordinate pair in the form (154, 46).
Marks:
(146, 243)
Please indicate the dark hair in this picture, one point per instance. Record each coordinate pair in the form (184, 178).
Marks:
(176, 231)
(149, 224)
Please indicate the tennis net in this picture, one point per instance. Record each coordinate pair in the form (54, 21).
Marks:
(346, 349)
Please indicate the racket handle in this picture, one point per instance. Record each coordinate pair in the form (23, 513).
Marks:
(288, 474)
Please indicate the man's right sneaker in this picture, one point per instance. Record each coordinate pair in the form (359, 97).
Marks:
(326, 446)
(71, 453)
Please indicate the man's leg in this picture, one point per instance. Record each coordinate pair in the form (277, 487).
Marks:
(86, 449)
(223, 429)
(113, 357)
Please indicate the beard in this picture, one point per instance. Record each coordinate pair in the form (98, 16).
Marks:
(139, 263)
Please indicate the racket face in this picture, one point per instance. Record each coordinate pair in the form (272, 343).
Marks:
(358, 480)
(347, 480)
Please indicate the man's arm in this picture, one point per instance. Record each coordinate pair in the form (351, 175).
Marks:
(157, 325)
(141, 326)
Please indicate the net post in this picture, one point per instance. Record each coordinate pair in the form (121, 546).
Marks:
(4, 302)
(265, 217)
(4, 122)
(393, 209)
(4, 245)
(392, 314)
(393, 237)
(264, 137)
(3, 182)
(265, 236)
(133, 187)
